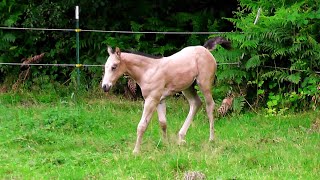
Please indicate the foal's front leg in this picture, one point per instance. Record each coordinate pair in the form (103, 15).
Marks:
(148, 109)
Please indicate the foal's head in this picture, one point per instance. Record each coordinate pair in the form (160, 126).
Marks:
(113, 69)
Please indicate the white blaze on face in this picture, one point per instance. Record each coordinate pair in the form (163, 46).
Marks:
(107, 74)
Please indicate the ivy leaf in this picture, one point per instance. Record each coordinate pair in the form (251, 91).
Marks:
(260, 91)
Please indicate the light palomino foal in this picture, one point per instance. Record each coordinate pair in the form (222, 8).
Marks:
(159, 78)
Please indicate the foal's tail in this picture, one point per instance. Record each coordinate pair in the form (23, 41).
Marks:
(211, 43)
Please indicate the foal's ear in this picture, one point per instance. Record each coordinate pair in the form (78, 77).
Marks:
(110, 50)
(118, 52)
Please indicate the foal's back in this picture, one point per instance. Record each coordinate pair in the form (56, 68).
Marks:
(188, 60)
(190, 55)
(181, 69)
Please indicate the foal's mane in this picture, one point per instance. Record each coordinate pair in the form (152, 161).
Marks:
(142, 54)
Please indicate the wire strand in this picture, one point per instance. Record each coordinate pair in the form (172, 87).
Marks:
(156, 32)
(100, 65)
(80, 65)
(122, 32)
(283, 68)
(35, 29)
(62, 65)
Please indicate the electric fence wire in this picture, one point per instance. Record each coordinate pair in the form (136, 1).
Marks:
(100, 65)
(121, 32)
(62, 65)
(81, 65)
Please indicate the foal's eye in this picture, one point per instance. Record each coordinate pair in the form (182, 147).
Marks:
(114, 67)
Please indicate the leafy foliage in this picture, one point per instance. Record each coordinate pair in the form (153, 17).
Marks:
(281, 50)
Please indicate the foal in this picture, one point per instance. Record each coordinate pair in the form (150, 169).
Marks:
(159, 78)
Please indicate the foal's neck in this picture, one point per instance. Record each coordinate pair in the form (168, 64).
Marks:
(137, 64)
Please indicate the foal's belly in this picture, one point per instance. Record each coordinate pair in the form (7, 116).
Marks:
(178, 84)
(180, 77)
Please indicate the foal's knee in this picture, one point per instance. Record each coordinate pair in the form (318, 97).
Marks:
(213, 104)
(210, 104)
(141, 128)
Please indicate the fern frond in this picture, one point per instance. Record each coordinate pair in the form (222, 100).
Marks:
(280, 52)
(294, 78)
(238, 104)
(283, 76)
(249, 44)
(271, 74)
(253, 62)
(296, 47)
(8, 37)
(312, 41)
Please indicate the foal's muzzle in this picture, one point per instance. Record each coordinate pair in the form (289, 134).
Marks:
(106, 88)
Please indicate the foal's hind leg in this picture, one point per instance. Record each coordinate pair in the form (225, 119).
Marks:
(195, 103)
(161, 108)
(205, 87)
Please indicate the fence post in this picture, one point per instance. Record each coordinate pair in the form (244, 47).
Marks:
(77, 45)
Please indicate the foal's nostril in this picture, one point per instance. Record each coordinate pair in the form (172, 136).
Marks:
(106, 88)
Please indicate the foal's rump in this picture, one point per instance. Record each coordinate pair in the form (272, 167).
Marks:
(184, 67)
(189, 58)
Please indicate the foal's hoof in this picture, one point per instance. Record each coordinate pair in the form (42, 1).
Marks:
(135, 152)
(211, 139)
(182, 142)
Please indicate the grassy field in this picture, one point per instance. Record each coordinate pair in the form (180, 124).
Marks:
(44, 137)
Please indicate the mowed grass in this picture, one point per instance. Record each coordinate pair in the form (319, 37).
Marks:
(94, 139)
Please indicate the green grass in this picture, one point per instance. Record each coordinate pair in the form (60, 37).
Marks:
(51, 138)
